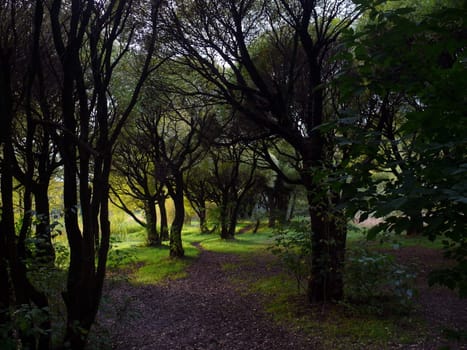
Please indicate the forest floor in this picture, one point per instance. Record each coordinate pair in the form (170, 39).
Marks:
(214, 307)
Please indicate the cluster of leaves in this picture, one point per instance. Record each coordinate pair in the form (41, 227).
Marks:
(293, 246)
(378, 281)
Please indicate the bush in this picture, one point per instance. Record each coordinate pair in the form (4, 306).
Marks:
(378, 281)
(293, 246)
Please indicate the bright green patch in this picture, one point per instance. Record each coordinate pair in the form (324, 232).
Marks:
(242, 244)
(151, 264)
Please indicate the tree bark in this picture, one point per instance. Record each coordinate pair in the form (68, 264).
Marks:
(416, 224)
(164, 221)
(328, 238)
(45, 249)
(203, 225)
(153, 237)
(176, 192)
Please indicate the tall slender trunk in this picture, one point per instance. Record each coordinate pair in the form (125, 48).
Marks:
(16, 288)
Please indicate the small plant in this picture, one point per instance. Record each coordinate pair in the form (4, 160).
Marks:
(293, 247)
(378, 281)
(118, 257)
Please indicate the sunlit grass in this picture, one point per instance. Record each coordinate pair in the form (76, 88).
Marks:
(149, 265)
(243, 243)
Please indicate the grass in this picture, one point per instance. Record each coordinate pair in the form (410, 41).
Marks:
(243, 243)
(149, 265)
(335, 326)
(357, 235)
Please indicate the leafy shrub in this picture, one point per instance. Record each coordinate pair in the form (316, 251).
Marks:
(378, 281)
(293, 246)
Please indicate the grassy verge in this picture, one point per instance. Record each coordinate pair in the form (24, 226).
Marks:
(334, 326)
(148, 265)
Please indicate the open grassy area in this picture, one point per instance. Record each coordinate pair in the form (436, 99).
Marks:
(149, 265)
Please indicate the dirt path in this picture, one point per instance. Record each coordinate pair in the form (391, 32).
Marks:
(208, 310)
(203, 311)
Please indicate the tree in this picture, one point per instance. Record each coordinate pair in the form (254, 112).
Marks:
(90, 39)
(289, 100)
(171, 126)
(232, 175)
(21, 24)
(197, 182)
(136, 178)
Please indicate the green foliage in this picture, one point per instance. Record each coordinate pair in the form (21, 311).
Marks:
(379, 282)
(293, 246)
(418, 59)
(26, 320)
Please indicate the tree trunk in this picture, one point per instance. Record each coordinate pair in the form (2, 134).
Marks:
(291, 206)
(45, 249)
(153, 236)
(328, 240)
(164, 221)
(203, 225)
(416, 224)
(232, 226)
(176, 192)
(272, 216)
(15, 287)
(224, 221)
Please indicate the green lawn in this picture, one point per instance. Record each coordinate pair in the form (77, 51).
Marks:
(148, 265)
